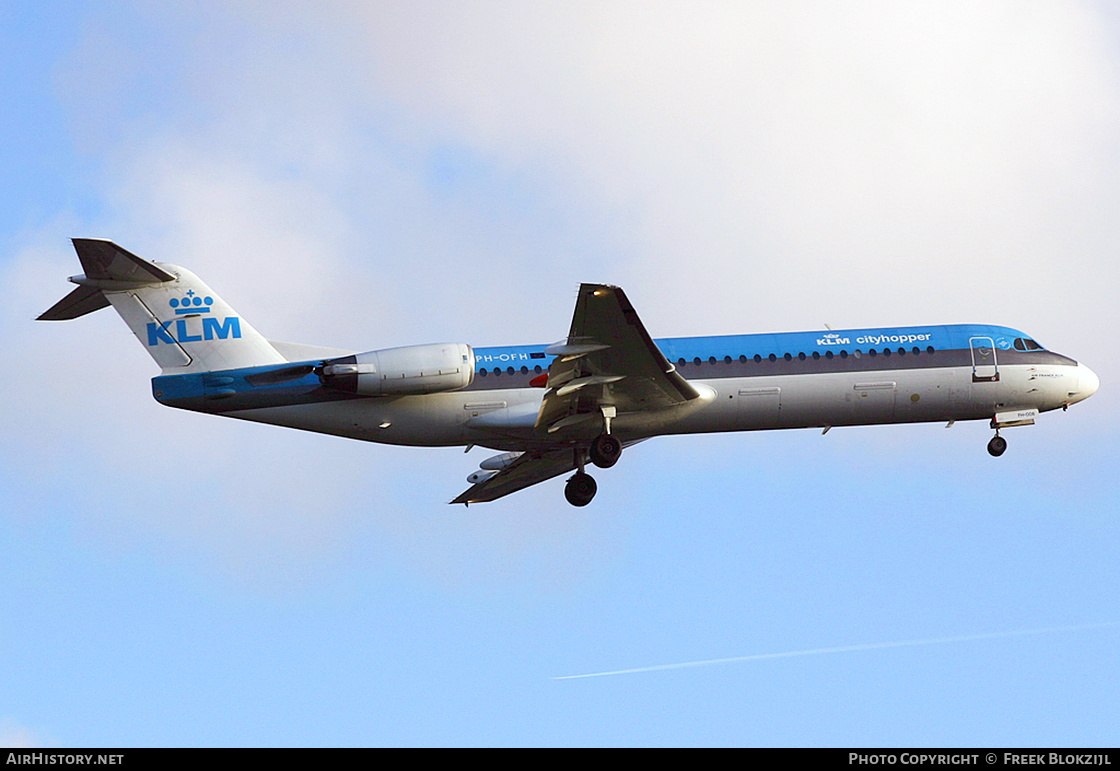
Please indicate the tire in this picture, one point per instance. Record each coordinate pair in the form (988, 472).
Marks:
(605, 450)
(580, 489)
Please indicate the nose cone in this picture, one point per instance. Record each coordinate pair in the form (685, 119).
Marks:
(1087, 384)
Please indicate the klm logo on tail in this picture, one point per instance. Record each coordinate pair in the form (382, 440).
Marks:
(195, 326)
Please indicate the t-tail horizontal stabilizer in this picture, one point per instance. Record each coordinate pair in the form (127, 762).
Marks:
(107, 267)
(182, 324)
(83, 300)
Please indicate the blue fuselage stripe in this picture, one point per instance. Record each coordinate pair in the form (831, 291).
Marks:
(702, 358)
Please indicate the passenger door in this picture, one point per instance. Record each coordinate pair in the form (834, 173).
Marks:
(984, 366)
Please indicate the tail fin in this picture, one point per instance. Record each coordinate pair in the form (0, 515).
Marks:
(182, 323)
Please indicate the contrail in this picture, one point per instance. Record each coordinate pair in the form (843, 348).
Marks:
(844, 649)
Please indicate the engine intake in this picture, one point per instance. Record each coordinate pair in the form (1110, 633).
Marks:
(411, 370)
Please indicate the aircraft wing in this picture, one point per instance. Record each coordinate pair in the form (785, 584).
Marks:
(607, 367)
(608, 361)
(530, 468)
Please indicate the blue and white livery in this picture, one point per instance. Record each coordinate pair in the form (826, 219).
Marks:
(552, 409)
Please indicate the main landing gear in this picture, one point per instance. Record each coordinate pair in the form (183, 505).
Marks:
(604, 452)
(580, 489)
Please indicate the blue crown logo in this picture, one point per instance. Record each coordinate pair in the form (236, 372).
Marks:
(192, 303)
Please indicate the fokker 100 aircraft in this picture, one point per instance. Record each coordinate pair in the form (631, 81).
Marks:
(551, 409)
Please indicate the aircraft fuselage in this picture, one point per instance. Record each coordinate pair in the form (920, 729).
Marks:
(751, 382)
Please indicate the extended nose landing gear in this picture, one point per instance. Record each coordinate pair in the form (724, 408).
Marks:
(1023, 416)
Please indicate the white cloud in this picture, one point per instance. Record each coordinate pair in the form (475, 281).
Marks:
(16, 736)
(736, 164)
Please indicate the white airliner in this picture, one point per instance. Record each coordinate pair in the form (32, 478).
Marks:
(551, 409)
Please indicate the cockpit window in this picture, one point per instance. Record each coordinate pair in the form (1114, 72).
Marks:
(1026, 344)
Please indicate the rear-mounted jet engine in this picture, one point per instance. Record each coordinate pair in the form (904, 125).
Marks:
(413, 369)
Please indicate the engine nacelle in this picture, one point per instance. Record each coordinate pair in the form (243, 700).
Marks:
(414, 369)
(499, 462)
(480, 476)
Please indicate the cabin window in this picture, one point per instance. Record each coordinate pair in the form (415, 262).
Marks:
(772, 357)
(696, 361)
(816, 354)
(757, 358)
(711, 359)
(929, 349)
(726, 359)
(743, 359)
(843, 354)
(828, 354)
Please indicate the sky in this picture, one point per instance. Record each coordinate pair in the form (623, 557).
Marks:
(367, 175)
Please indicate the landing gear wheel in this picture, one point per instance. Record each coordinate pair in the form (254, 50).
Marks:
(580, 489)
(605, 450)
(997, 446)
